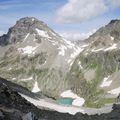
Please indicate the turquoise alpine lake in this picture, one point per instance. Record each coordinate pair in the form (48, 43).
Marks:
(65, 101)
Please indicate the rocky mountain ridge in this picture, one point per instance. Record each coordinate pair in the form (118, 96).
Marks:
(97, 68)
(33, 55)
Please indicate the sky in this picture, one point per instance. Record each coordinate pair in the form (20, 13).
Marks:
(74, 19)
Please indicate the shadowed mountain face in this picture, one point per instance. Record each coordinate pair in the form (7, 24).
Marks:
(97, 68)
(14, 107)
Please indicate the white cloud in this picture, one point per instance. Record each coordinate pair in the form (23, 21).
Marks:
(75, 11)
(1, 32)
(115, 3)
(12, 4)
(74, 36)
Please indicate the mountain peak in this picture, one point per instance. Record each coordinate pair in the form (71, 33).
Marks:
(29, 20)
(22, 27)
(114, 21)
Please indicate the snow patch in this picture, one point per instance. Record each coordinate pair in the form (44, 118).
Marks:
(10, 68)
(54, 34)
(69, 94)
(71, 63)
(114, 46)
(85, 45)
(69, 44)
(76, 52)
(42, 33)
(26, 36)
(33, 19)
(13, 78)
(67, 109)
(97, 50)
(115, 91)
(62, 109)
(27, 50)
(79, 63)
(27, 79)
(105, 82)
(53, 42)
(78, 102)
(112, 38)
(62, 49)
(35, 88)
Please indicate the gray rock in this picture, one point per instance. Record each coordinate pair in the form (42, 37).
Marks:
(1, 114)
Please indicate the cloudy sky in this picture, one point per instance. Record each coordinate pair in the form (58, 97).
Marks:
(74, 19)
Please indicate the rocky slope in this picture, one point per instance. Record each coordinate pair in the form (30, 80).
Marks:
(14, 107)
(36, 57)
(95, 74)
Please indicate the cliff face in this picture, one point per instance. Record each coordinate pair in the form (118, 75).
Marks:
(14, 107)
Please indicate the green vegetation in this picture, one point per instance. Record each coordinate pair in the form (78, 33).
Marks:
(93, 65)
(99, 103)
(104, 64)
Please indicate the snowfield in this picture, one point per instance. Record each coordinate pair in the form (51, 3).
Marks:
(42, 33)
(27, 50)
(114, 46)
(69, 94)
(78, 102)
(53, 106)
(112, 38)
(62, 49)
(27, 79)
(35, 88)
(115, 91)
(105, 82)
(79, 63)
(26, 36)
(76, 52)
(66, 109)
(97, 50)
(33, 19)
(69, 44)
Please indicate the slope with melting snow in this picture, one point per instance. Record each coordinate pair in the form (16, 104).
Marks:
(66, 109)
